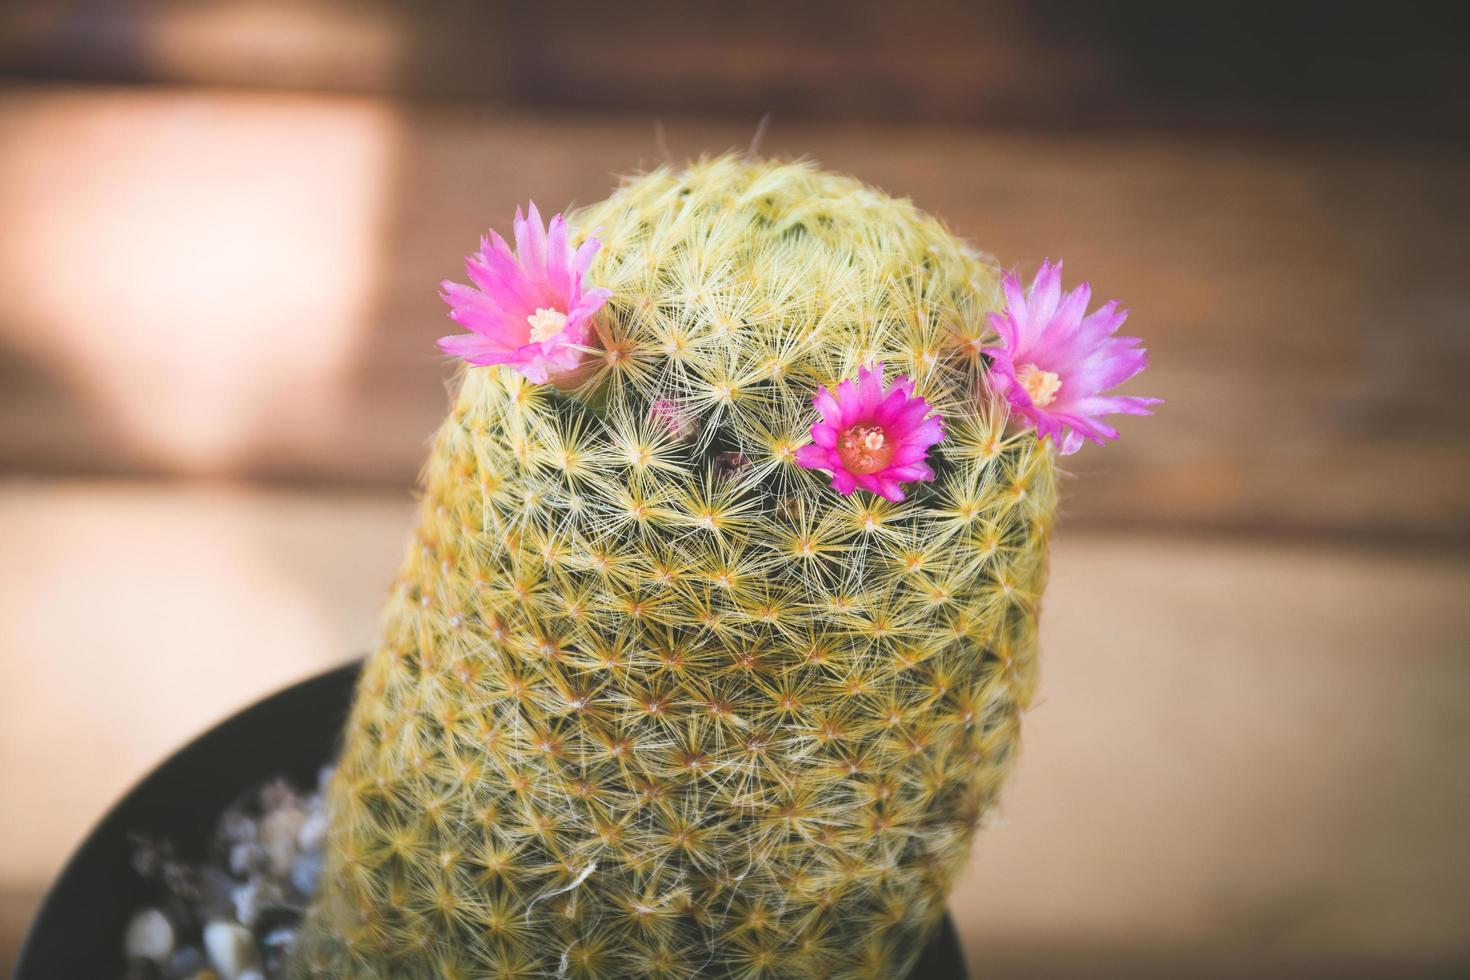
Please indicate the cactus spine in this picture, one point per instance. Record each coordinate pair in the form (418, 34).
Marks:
(651, 700)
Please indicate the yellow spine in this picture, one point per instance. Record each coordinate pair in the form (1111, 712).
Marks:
(651, 700)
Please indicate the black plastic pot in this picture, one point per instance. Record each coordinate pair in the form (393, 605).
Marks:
(78, 930)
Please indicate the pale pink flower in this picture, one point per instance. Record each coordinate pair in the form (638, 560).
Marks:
(1054, 363)
(530, 310)
(872, 436)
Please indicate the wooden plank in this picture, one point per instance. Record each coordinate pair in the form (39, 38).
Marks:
(1246, 758)
(1303, 301)
(1049, 64)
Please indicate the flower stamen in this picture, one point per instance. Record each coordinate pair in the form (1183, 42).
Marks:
(1041, 386)
(864, 449)
(872, 435)
(1087, 358)
(504, 324)
(546, 323)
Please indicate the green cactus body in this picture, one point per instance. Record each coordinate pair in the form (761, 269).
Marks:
(651, 699)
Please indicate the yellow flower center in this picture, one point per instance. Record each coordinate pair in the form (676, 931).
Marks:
(546, 324)
(864, 449)
(1041, 385)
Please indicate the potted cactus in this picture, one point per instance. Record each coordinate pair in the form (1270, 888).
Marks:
(709, 651)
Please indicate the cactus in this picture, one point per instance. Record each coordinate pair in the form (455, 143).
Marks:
(652, 699)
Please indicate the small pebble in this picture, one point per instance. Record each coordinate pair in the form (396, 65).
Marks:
(280, 938)
(237, 827)
(254, 896)
(278, 833)
(265, 866)
(276, 794)
(149, 856)
(185, 962)
(156, 861)
(306, 872)
(278, 944)
(231, 948)
(313, 832)
(216, 892)
(248, 857)
(149, 936)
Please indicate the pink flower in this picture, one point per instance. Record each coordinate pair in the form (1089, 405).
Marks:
(872, 437)
(530, 310)
(1054, 363)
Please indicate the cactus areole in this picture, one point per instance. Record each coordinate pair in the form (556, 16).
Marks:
(708, 654)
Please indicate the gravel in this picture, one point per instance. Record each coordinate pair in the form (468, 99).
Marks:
(233, 916)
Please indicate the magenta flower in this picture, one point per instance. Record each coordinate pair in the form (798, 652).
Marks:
(530, 310)
(872, 436)
(1054, 363)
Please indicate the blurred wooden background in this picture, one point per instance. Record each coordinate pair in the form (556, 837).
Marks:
(221, 228)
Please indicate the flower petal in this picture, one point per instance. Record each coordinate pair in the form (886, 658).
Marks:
(870, 389)
(475, 349)
(827, 405)
(1048, 331)
(1004, 324)
(1115, 405)
(582, 260)
(530, 238)
(1041, 301)
(1016, 309)
(558, 258)
(850, 403)
(904, 418)
(814, 457)
(542, 273)
(889, 490)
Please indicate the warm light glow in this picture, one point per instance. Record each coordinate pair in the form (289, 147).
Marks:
(200, 266)
(279, 43)
(133, 616)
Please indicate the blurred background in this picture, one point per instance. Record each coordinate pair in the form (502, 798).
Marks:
(222, 223)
